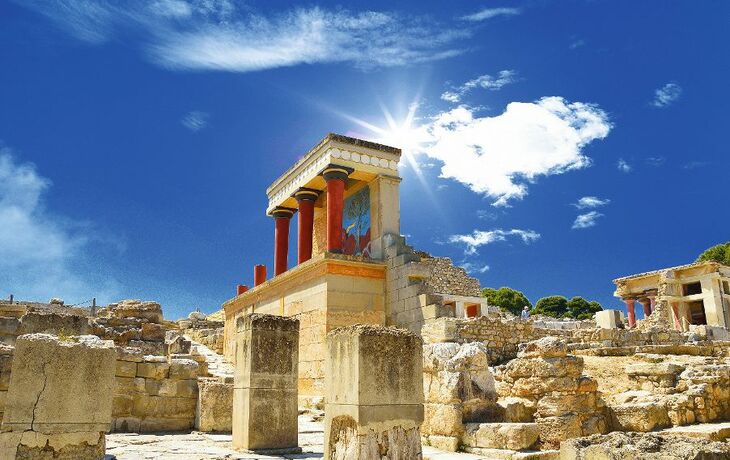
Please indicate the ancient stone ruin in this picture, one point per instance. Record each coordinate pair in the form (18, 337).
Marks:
(367, 348)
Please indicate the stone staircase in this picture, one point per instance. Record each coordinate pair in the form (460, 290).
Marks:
(218, 366)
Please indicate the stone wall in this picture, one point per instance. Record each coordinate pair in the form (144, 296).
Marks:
(458, 388)
(502, 335)
(409, 301)
(154, 393)
(445, 278)
(668, 394)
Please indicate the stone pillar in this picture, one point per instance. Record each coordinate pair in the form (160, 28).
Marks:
(265, 384)
(59, 403)
(306, 198)
(631, 312)
(675, 316)
(460, 309)
(646, 303)
(259, 275)
(282, 216)
(373, 394)
(335, 177)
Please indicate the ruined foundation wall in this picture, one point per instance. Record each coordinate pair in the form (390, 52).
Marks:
(503, 335)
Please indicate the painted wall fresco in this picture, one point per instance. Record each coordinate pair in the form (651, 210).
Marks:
(356, 224)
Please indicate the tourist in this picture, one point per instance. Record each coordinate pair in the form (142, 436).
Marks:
(525, 315)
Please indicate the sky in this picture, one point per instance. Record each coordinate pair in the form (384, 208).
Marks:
(549, 146)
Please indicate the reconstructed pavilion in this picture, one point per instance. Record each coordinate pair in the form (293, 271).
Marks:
(353, 266)
(697, 293)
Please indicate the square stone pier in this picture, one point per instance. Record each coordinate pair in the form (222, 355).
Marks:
(265, 384)
(374, 393)
(59, 403)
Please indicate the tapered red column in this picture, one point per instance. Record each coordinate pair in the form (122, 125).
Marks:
(259, 275)
(335, 177)
(282, 216)
(646, 303)
(306, 198)
(630, 310)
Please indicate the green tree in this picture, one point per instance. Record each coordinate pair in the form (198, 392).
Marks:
(580, 308)
(554, 305)
(718, 253)
(507, 299)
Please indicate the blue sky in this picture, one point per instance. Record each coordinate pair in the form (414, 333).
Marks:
(552, 145)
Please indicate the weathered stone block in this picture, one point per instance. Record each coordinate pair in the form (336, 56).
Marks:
(183, 369)
(265, 383)
(40, 411)
(374, 393)
(513, 436)
(126, 369)
(215, 405)
(153, 370)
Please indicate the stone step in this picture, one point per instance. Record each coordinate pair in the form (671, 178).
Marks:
(506, 454)
(709, 431)
(511, 436)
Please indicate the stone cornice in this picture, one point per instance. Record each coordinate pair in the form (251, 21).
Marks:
(333, 149)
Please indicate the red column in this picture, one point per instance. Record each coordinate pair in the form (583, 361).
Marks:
(632, 314)
(647, 307)
(259, 275)
(335, 177)
(282, 216)
(241, 288)
(306, 198)
(652, 303)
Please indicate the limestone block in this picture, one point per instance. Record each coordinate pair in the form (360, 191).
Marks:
(639, 416)
(6, 363)
(547, 347)
(153, 370)
(442, 419)
(567, 366)
(215, 405)
(265, 383)
(39, 411)
(553, 430)
(513, 436)
(447, 443)
(53, 323)
(153, 332)
(183, 369)
(517, 410)
(126, 369)
(162, 407)
(373, 393)
(150, 311)
(609, 319)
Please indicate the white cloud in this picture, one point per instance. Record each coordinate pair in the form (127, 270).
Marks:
(591, 202)
(218, 35)
(586, 220)
(41, 254)
(480, 238)
(666, 95)
(623, 166)
(489, 13)
(504, 77)
(655, 161)
(195, 120)
(499, 156)
(474, 268)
